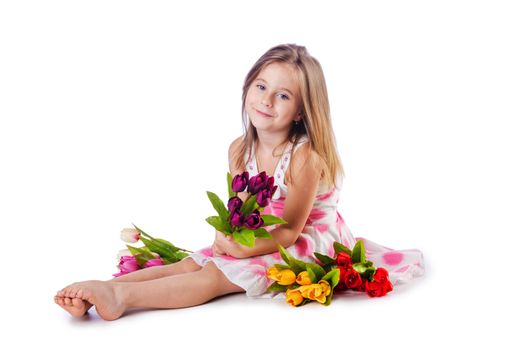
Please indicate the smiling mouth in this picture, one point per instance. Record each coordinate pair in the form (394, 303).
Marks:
(263, 114)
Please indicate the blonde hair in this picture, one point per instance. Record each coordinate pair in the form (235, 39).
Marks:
(315, 109)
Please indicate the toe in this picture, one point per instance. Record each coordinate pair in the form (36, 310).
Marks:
(78, 303)
(67, 302)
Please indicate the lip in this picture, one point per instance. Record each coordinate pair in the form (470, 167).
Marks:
(263, 114)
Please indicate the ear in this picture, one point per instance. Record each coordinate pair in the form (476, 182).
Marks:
(299, 116)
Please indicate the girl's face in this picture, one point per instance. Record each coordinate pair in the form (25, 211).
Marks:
(273, 98)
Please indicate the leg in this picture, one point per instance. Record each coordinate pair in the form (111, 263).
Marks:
(112, 299)
(78, 307)
(183, 266)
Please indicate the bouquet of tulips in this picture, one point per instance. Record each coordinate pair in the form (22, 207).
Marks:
(156, 251)
(349, 269)
(242, 219)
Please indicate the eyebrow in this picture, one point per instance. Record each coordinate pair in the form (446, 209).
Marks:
(291, 93)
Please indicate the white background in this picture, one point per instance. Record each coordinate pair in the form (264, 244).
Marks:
(113, 112)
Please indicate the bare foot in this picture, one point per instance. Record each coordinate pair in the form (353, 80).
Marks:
(79, 297)
(75, 306)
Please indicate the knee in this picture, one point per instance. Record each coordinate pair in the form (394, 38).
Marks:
(218, 280)
(185, 266)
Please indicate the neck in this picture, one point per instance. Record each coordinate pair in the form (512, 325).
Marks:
(267, 142)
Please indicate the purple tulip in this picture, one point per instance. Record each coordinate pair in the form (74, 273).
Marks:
(263, 197)
(240, 182)
(273, 190)
(253, 220)
(237, 219)
(126, 265)
(153, 262)
(271, 182)
(258, 182)
(234, 203)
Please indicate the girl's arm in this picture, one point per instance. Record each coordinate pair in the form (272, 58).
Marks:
(306, 172)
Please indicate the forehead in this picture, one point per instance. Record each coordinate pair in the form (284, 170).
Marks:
(280, 76)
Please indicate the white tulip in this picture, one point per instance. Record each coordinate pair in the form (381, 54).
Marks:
(130, 235)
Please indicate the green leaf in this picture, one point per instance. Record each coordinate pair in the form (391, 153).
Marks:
(276, 287)
(229, 182)
(332, 277)
(285, 255)
(153, 246)
(329, 297)
(281, 267)
(297, 266)
(218, 205)
(245, 237)
(324, 259)
(262, 233)
(312, 275)
(358, 253)
(364, 270)
(142, 255)
(249, 205)
(338, 248)
(318, 271)
(272, 220)
(218, 223)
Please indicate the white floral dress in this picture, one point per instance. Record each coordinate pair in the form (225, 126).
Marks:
(323, 226)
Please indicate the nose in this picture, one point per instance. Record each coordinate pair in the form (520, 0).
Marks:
(266, 100)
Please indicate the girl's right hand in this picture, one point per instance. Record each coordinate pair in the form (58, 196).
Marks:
(217, 250)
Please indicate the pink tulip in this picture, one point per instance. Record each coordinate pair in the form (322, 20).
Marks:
(126, 265)
(153, 262)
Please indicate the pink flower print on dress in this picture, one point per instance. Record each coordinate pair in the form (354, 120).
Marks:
(339, 223)
(325, 196)
(207, 252)
(277, 207)
(321, 228)
(392, 258)
(316, 214)
(258, 261)
(303, 246)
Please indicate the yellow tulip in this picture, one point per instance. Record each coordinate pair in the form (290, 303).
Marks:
(286, 277)
(294, 297)
(272, 273)
(311, 291)
(326, 289)
(303, 279)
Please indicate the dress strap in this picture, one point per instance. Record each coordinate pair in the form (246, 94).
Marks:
(284, 162)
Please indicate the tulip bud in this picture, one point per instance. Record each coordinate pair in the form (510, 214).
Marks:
(263, 198)
(286, 277)
(234, 203)
(237, 219)
(153, 262)
(126, 265)
(303, 278)
(257, 182)
(240, 182)
(130, 235)
(294, 297)
(253, 221)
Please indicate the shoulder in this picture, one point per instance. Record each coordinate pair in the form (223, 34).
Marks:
(306, 163)
(233, 155)
(235, 146)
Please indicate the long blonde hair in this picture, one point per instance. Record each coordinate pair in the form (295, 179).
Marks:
(315, 123)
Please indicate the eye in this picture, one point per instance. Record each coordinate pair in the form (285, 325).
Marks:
(284, 97)
(260, 86)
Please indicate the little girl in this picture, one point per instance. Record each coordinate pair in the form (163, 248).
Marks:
(288, 133)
